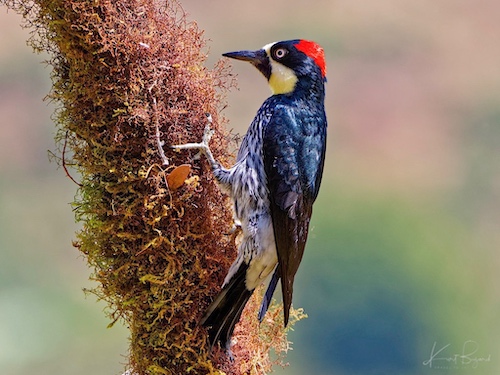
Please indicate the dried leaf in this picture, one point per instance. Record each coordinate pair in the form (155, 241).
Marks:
(176, 178)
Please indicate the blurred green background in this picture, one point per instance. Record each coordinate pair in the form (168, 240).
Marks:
(403, 252)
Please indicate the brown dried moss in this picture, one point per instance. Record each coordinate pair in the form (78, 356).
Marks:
(126, 75)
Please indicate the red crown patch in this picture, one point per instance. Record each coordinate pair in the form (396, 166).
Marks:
(315, 52)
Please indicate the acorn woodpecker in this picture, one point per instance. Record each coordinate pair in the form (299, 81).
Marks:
(274, 182)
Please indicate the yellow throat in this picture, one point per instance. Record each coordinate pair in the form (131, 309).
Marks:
(282, 79)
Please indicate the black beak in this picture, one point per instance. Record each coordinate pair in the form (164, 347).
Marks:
(255, 57)
(258, 58)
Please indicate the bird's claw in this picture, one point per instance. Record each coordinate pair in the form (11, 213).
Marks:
(208, 132)
(203, 146)
(230, 355)
(207, 135)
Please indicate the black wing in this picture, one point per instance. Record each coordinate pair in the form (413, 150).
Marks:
(294, 153)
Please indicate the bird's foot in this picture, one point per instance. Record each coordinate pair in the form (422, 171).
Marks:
(230, 355)
(203, 146)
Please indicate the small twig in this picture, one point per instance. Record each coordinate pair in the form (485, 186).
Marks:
(159, 142)
(63, 160)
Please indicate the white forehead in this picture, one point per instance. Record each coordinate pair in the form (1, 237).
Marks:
(267, 47)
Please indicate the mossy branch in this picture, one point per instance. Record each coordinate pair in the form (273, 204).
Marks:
(128, 78)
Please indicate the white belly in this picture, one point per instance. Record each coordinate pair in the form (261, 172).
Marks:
(265, 258)
(258, 249)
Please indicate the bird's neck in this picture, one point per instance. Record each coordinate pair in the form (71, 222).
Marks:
(312, 90)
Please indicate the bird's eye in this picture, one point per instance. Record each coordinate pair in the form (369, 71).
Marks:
(280, 53)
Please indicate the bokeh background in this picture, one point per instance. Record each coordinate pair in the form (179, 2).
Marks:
(403, 254)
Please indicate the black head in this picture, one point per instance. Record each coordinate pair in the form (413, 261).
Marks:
(285, 63)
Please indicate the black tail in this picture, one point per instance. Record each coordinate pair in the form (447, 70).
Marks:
(225, 311)
(269, 294)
